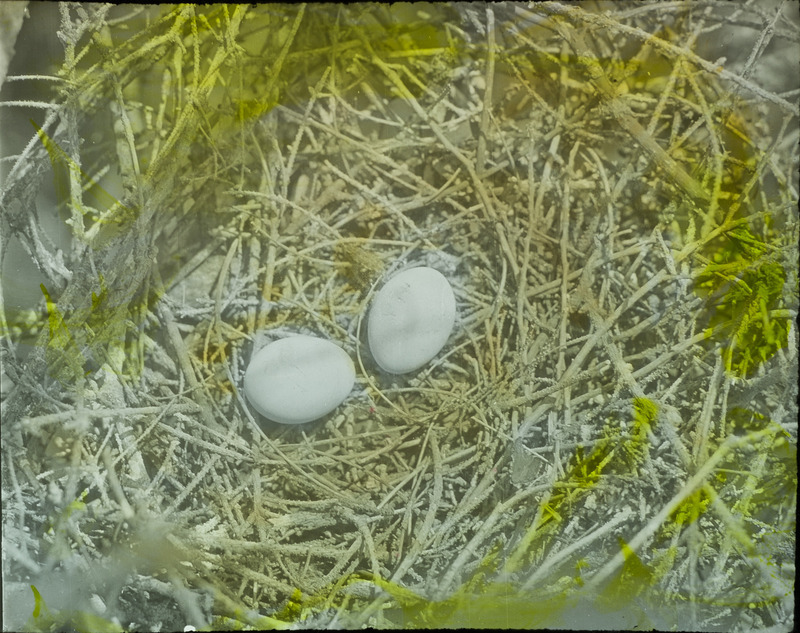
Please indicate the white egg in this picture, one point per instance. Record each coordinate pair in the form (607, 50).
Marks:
(298, 379)
(411, 319)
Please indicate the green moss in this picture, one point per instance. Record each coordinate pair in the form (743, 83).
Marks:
(743, 286)
(692, 508)
(615, 453)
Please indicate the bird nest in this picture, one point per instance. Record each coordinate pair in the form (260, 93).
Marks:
(608, 437)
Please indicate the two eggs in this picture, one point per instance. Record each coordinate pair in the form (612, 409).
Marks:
(302, 378)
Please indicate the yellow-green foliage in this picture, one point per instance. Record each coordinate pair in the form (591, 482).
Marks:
(74, 507)
(394, 33)
(614, 453)
(691, 509)
(744, 284)
(494, 605)
(483, 601)
(98, 331)
(777, 461)
(69, 198)
(64, 356)
(43, 620)
(633, 578)
(622, 453)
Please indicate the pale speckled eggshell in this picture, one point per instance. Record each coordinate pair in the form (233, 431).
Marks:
(411, 319)
(298, 379)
